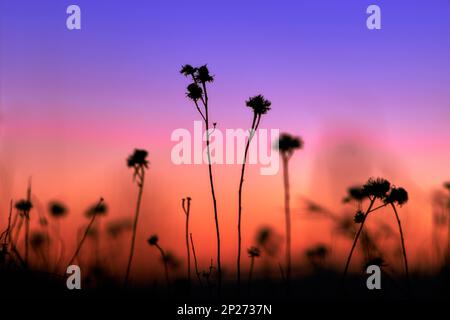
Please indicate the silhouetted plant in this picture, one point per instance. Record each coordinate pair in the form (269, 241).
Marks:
(399, 196)
(286, 145)
(260, 106)
(186, 205)
(253, 252)
(100, 209)
(139, 163)
(197, 92)
(380, 189)
(153, 241)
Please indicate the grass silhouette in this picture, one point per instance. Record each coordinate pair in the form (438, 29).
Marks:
(139, 163)
(197, 92)
(260, 106)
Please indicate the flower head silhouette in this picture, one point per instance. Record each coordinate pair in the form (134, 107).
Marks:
(188, 70)
(259, 104)
(253, 252)
(203, 75)
(153, 240)
(57, 209)
(359, 217)
(376, 188)
(355, 193)
(100, 209)
(194, 92)
(398, 196)
(138, 161)
(24, 205)
(287, 144)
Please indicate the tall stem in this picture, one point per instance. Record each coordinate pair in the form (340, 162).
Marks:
(195, 261)
(252, 130)
(355, 241)
(166, 268)
(287, 214)
(402, 239)
(86, 232)
(135, 223)
(27, 237)
(213, 194)
(250, 273)
(187, 212)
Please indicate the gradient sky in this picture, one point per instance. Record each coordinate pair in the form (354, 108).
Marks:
(74, 104)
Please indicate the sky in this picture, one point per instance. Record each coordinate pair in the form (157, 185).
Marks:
(75, 103)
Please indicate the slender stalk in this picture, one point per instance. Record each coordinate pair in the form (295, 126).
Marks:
(250, 273)
(355, 241)
(287, 213)
(27, 238)
(141, 176)
(252, 130)
(86, 232)
(213, 194)
(187, 212)
(80, 244)
(402, 239)
(166, 268)
(195, 261)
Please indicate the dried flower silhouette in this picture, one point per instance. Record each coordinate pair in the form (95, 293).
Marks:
(382, 190)
(153, 241)
(197, 92)
(98, 210)
(286, 145)
(139, 163)
(186, 205)
(260, 106)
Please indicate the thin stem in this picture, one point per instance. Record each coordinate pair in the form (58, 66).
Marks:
(187, 212)
(166, 268)
(405, 260)
(372, 201)
(213, 194)
(141, 178)
(250, 273)
(195, 261)
(27, 238)
(240, 202)
(86, 232)
(287, 213)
